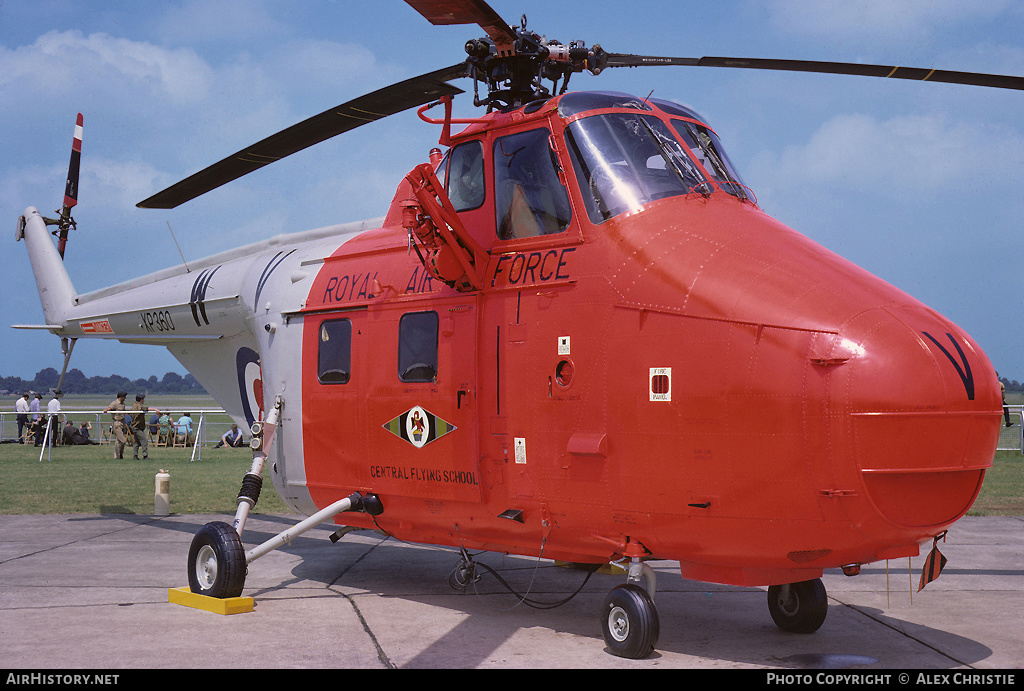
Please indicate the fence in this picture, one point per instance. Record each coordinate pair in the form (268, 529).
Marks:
(1012, 438)
(208, 424)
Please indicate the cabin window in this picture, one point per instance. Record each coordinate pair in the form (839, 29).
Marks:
(530, 200)
(334, 353)
(464, 176)
(417, 347)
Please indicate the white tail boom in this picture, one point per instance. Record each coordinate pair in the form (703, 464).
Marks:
(214, 315)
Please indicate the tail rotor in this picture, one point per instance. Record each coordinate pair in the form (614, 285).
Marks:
(65, 222)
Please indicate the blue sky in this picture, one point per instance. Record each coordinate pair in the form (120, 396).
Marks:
(920, 183)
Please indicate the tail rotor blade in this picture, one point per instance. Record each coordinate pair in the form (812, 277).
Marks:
(71, 190)
(64, 223)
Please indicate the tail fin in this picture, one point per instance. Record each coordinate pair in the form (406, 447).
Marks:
(56, 293)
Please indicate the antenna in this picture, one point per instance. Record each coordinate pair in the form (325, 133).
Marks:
(178, 246)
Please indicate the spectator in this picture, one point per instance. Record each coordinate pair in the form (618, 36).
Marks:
(83, 431)
(139, 426)
(166, 434)
(184, 427)
(73, 435)
(52, 418)
(36, 409)
(119, 429)
(22, 409)
(233, 438)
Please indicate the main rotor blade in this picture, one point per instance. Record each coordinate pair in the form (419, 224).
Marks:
(445, 12)
(347, 116)
(891, 71)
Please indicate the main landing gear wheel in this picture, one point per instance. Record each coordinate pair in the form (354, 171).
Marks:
(629, 622)
(216, 561)
(798, 607)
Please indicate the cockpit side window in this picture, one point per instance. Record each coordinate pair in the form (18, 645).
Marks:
(465, 183)
(530, 199)
(625, 160)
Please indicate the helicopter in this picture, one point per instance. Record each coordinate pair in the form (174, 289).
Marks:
(574, 335)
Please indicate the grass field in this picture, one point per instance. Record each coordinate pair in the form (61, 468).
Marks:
(1003, 491)
(87, 479)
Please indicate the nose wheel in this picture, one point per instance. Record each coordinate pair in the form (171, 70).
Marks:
(216, 561)
(798, 607)
(630, 622)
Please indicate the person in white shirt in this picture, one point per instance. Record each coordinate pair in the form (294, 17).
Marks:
(52, 415)
(233, 437)
(21, 408)
(36, 409)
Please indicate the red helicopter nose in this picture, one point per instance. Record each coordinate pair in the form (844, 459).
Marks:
(924, 414)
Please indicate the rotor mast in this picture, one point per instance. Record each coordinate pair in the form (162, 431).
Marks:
(514, 69)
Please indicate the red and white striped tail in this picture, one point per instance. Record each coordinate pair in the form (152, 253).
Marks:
(71, 191)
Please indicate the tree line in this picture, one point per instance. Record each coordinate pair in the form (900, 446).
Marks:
(76, 382)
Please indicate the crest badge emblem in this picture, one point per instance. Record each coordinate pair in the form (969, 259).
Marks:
(419, 427)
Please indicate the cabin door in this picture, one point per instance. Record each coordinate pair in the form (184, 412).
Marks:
(421, 404)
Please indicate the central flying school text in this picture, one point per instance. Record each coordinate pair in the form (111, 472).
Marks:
(456, 477)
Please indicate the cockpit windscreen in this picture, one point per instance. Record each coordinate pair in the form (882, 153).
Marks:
(625, 160)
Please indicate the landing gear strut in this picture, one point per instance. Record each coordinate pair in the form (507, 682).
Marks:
(217, 561)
